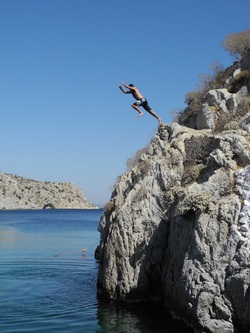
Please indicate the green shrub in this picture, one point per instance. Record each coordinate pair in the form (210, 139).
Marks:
(197, 150)
(193, 173)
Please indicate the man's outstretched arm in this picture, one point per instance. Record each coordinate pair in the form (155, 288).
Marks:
(123, 90)
(128, 86)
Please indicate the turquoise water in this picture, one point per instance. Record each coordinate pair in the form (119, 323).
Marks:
(47, 284)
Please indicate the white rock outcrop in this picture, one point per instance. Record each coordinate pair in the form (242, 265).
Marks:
(216, 101)
(176, 229)
(22, 193)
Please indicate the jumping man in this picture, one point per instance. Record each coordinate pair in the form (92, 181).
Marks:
(140, 100)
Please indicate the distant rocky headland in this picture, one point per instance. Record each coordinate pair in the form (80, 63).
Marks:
(22, 193)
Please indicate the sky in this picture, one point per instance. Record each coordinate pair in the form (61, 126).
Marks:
(63, 117)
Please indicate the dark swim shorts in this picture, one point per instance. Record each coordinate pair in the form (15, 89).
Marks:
(144, 103)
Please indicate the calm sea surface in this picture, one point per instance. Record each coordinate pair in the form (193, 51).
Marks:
(47, 284)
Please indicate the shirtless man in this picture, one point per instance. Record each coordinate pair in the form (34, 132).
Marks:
(140, 100)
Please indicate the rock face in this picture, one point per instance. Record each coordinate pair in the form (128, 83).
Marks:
(22, 193)
(177, 227)
(228, 101)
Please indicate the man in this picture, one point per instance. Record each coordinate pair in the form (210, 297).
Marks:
(140, 100)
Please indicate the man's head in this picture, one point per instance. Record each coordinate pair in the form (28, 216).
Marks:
(131, 85)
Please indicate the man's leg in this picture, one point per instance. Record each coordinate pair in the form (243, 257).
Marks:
(134, 106)
(155, 115)
(149, 110)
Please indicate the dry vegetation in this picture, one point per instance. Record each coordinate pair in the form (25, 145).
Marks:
(237, 44)
(194, 99)
(231, 121)
(131, 162)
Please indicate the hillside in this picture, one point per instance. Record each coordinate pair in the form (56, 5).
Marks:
(22, 193)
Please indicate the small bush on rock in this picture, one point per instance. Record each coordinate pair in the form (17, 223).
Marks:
(231, 121)
(194, 99)
(237, 44)
(131, 162)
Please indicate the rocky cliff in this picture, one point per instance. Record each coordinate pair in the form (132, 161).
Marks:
(21, 193)
(177, 227)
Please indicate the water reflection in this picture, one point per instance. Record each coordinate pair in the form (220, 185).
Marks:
(48, 285)
(10, 235)
(137, 319)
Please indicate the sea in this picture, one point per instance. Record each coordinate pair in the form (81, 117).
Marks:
(48, 278)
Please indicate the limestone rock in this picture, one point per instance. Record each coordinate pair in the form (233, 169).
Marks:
(206, 112)
(176, 229)
(21, 193)
(216, 101)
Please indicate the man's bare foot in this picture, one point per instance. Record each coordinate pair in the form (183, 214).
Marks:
(140, 114)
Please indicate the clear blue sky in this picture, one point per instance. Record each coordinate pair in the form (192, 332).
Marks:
(63, 117)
